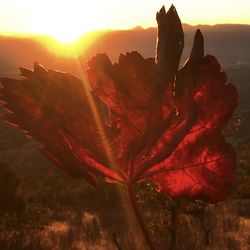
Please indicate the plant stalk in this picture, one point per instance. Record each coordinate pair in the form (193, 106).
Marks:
(139, 218)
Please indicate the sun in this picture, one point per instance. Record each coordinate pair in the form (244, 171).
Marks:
(67, 37)
(66, 21)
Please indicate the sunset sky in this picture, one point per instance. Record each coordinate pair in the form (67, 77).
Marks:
(66, 20)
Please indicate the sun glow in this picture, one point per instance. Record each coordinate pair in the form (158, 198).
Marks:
(67, 38)
(68, 20)
(64, 21)
(63, 47)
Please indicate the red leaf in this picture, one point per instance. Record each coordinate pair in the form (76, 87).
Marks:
(201, 166)
(144, 120)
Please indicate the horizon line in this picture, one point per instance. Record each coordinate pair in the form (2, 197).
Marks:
(138, 27)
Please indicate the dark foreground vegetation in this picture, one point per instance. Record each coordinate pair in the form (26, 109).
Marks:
(44, 209)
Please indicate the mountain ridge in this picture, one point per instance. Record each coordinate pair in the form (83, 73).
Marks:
(229, 42)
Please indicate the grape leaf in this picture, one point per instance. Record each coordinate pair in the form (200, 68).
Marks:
(142, 119)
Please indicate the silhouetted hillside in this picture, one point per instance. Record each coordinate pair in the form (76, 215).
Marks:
(230, 44)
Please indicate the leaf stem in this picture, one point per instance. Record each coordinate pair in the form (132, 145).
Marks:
(138, 216)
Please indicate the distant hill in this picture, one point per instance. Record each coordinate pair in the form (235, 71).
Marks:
(230, 44)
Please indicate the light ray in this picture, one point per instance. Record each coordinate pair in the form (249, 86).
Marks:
(121, 190)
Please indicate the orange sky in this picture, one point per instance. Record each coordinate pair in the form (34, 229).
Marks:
(66, 20)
